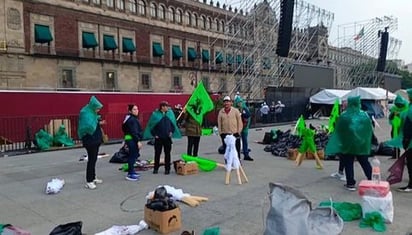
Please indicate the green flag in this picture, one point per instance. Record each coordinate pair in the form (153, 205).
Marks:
(199, 103)
(333, 116)
(300, 126)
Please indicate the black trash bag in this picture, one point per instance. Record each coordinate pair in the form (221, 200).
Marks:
(385, 150)
(73, 228)
(121, 156)
(151, 142)
(161, 201)
(221, 150)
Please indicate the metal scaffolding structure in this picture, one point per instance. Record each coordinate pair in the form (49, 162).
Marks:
(253, 37)
(358, 47)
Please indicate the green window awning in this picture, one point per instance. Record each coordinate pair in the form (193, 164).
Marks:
(205, 56)
(229, 59)
(219, 57)
(89, 40)
(239, 59)
(109, 43)
(191, 54)
(176, 52)
(128, 45)
(157, 49)
(42, 34)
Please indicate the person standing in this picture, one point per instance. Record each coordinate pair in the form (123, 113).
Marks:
(162, 126)
(193, 133)
(400, 105)
(229, 123)
(278, 111)
(264, 110)
(352, 139)
(90, 133)
(244, 111)
(406, 141)
(132, 131)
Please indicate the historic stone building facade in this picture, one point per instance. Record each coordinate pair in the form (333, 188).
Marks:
(117, 45)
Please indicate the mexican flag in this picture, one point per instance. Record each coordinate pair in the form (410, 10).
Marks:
(360, 34)
(199, 103)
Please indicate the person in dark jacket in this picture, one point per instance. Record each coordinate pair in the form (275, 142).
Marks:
(132, 135)
(193, 133)
(90, 133)
(162, 126)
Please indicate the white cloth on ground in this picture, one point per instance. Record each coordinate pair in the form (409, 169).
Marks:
(231, 155)
(125, 229)
(54, 186)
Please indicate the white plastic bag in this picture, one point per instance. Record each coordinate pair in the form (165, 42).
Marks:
(54, 186)
(383, 205)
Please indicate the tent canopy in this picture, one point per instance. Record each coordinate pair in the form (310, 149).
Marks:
(328, 96)
(368, 93)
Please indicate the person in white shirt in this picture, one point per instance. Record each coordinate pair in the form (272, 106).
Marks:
(278, 111)
(264, 110)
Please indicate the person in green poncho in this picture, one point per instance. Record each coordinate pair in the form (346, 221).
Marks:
(352, 138)
(245, 115)
(162, 126)
(406, 134)
(395, 120)
(90, 133)
(308, 145)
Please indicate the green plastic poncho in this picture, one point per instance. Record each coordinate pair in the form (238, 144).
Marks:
(88, 118)
(374, 220)
(43, 140)
(353, 131)
(395, 113)
(308, 141)
(243, 106)
(61, 137)
(346, 210)
(156, 116)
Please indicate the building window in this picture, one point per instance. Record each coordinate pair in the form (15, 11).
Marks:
(217, 25)
(110, 3)
(204, 22)
(153, 10)
(189, 19)
(195, 20)
(120, 5)
(133, 6)
(145, 83)
(96, 2)
(142, 8)
(223, 26)
(172, 16)
(210, 23)
(162, 12)
(177, 82)
(42, 34)
(110, 80)
(179, 15)
(67, 78)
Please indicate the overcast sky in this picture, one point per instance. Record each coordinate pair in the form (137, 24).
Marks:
(348, 11)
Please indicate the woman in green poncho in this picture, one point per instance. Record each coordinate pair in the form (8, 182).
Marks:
(308, 145)
(90, 133)
(352, 138)
(395, 120)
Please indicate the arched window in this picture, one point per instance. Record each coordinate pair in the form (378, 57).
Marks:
(188, 19)
(172, 16)
(217, 25)
(223, 26)
(195, 20)
(142, 7)
(162, 12)
(110, 3)
(133, 6)
(153, 10)
(210, 23)
(204, 22)
(179, 16)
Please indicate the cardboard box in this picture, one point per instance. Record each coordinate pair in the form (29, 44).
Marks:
(188, 168)
(293, 153)
(163, 221)
(321, 155)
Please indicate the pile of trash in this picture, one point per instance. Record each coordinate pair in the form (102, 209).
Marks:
(281, 141)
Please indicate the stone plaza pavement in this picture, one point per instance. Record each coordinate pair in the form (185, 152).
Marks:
(236, 209)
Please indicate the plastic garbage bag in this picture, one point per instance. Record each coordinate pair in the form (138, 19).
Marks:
(54, 186)
(73, 228)
(125, 229)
